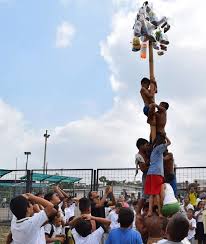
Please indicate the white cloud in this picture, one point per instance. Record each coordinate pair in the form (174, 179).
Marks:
(64, 35)
(106, 141)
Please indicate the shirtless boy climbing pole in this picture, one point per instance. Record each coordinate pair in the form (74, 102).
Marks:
(148, 90)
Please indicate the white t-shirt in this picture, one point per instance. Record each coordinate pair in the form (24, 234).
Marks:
(169, 195)
(139, 159)
(41, 238)
(191, 233)
(189, 206)
(28, 230)
(113, 217)
(200, 217)
(56, 230)
(69, 212)
(94, 238)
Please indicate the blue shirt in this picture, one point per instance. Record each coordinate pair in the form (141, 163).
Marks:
(156, 160)
(124, 236)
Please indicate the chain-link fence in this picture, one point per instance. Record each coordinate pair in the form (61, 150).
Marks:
(78, 182)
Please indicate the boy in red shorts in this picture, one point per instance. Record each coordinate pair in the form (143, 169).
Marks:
(155, 174)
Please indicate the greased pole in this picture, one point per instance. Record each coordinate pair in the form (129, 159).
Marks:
(152, 78)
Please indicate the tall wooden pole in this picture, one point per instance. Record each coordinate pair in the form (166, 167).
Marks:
(152, 78)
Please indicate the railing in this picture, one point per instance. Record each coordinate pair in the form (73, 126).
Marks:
(123, 180)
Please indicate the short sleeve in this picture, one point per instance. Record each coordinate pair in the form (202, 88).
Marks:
(47, 229)
(75, 234)
(39, 219)
(196, 213)
(98, 233)
(139, 238)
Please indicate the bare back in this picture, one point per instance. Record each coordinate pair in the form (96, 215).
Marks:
(161, 120)
(152, 225)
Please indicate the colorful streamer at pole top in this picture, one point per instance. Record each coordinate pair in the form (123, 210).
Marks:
(148, 27)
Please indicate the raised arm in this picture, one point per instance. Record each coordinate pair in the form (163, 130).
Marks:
(48, 206)
(103, 221)
(59, 192)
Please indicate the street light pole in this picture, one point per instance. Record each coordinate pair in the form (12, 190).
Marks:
(46, 136)
(27, 158)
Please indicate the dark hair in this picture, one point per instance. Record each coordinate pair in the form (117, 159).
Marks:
(145, 81)
(165, 105)
(177, 228)
(18, 206)
(83, 227)
(126, 217)
(190, 209)
(118, 205)
(140, 142)
(198, 205)
(84, 204)
(49, 196)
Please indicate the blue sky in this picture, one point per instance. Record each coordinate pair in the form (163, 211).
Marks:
(52, 85)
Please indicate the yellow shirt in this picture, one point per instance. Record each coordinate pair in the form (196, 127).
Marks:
(193, 198)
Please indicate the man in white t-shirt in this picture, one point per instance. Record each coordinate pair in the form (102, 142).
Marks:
(192, 226)
(27, 227)
(69, 211)
(113, 216)
(186, 205)
(82, 231)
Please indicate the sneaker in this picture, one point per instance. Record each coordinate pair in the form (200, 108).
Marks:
(160, 53)
(136, 44)
(166, 28)
(164, 39)
(163, 47)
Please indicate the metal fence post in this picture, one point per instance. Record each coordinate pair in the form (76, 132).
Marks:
(94, 180)
(97, 180)
(29, 181)
(92, 175)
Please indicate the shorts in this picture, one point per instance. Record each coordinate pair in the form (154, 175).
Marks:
(153, 184)
(144, 196)
(146, 110)
(170, 209)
